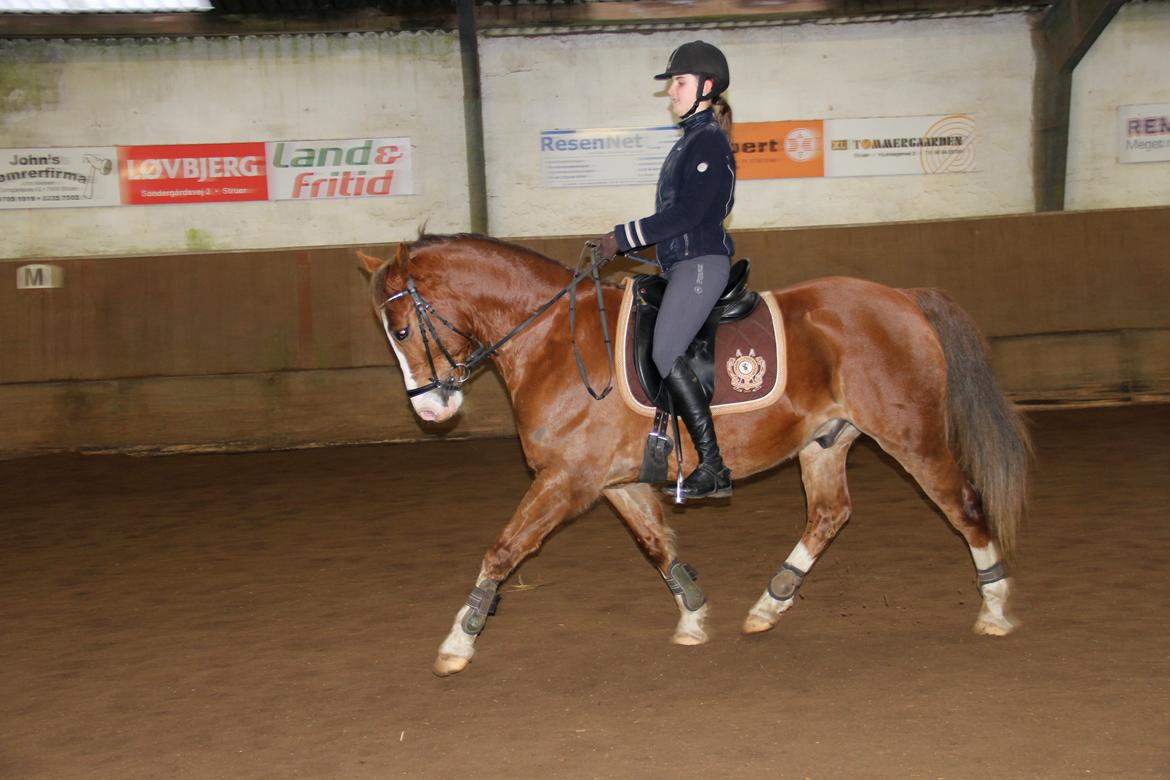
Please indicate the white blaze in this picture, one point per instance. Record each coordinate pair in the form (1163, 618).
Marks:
(429, 405)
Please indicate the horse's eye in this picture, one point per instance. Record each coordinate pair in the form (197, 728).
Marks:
(401, 335)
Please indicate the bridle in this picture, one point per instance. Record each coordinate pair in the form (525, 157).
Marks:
(461, 371)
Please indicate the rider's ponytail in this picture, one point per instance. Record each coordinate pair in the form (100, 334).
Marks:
(722, 113)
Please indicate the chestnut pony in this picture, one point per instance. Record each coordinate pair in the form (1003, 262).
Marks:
(907, 368)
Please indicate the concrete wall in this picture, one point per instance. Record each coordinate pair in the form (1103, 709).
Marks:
(110, 92)
(215, 90)
(981, 66)
(1128, 65)
(91, 93)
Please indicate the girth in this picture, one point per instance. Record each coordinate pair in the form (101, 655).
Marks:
(735, 303)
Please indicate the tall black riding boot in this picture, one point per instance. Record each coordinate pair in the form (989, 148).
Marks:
(710, 478)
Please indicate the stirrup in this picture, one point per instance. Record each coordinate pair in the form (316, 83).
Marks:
(717, 483)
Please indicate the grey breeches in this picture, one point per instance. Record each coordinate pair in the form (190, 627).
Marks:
(692, 288)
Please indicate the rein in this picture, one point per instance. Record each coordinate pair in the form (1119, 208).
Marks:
(461, 371)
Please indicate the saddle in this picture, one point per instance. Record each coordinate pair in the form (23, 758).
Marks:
(735, 303)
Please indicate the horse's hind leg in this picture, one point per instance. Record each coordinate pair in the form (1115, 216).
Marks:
(943, 481)
(555, 496)
(823, 473)
(641, 509)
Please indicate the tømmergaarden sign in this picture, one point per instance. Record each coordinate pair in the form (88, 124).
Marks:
(1144, 133)
(900, 146)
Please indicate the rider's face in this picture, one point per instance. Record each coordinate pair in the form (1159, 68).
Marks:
(682, 91)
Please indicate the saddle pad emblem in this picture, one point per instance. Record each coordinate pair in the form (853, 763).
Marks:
(746, 371)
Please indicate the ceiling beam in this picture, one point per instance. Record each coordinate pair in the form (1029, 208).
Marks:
(1061, 37)
(276, 17)
(207, 24)
(650, 11)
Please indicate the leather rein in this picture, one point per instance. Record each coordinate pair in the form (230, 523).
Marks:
(461, 371)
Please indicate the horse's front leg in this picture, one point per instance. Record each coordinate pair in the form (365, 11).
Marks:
(641, 509)
(555, 495)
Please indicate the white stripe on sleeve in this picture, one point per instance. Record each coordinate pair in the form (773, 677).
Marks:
(641, 238)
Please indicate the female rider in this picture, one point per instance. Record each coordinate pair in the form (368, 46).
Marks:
(696, 190)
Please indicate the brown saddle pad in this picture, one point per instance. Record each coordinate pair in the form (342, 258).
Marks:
(750, 365)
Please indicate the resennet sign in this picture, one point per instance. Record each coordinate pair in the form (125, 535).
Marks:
(604, 157)
(900, 146)
(354, 168)
(56, 177)
(193, 173)
(1145, 133)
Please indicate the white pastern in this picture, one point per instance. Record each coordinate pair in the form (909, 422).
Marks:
(767, 610)
(993, 619)
(801, 558)
(765, 614)
(459, 646)
(985, 557)
(457, 649)
(690, 629)
(428, 406)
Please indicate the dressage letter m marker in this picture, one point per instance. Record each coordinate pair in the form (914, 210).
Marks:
(38, 277)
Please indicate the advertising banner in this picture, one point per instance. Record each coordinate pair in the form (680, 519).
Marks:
(1145, 133)
(58, 177)
(604, 157)
(193, 173)
(355, 168)
(778, 150)
(893, 146)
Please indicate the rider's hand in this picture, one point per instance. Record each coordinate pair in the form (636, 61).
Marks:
(607, 246)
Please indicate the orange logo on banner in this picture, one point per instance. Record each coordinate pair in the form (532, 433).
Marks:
(778, 150)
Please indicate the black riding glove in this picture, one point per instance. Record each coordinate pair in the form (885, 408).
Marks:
(607, 246)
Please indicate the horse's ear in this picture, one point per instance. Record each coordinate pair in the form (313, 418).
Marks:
(368, 264)
(402, 255)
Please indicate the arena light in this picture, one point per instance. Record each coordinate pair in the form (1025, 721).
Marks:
(102, 6)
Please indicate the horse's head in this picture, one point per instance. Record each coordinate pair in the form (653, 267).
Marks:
(430, 353)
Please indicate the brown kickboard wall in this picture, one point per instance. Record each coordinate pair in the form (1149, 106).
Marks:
(279, 348)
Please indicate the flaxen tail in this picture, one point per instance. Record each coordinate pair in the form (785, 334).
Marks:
(987, 435)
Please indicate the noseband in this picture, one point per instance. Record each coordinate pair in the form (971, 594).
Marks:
(461, 371)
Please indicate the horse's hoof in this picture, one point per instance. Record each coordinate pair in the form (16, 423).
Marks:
(689, 638)
(993, 627)
(757, 625)
(449, 664)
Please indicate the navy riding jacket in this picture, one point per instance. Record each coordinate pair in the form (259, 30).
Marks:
(696, 190)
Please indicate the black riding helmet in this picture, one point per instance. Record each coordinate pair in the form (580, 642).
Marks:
(703, 60)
